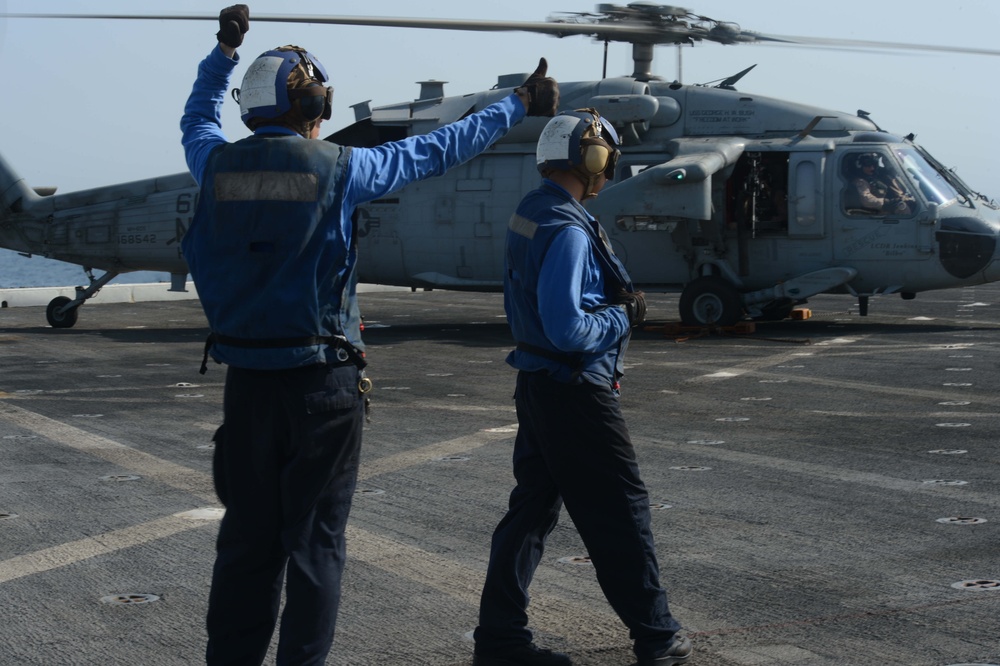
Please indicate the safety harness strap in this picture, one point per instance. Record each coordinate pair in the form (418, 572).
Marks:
(573, 361)
(354, 355)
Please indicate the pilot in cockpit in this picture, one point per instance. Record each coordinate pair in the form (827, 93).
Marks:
(877, 189)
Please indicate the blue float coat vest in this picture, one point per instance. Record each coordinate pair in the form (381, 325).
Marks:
(269, 252)
(543, 214)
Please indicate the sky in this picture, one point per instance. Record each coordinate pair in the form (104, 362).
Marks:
(96, 102)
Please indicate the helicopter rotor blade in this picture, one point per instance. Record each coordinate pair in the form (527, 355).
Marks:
(631, 31)
(860, 44)
(623, 32)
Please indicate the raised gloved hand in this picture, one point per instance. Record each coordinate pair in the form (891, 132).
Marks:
(542, 92)
(234, 22)
(634, 303)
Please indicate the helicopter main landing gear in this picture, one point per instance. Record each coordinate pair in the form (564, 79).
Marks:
(59, 315)
(710, 300)
(62, 311)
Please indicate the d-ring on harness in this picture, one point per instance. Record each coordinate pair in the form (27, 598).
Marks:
(350, 353)
(344, 350)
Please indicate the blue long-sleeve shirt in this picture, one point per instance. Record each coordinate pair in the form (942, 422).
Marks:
(570, 291)
(233, 284)
(373, 172)
(554, 291)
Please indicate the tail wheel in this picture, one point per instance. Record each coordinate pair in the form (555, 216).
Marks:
(61, 319)
(710, 300)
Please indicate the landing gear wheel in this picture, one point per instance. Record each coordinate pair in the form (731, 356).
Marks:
(710, 300)
(61, 320)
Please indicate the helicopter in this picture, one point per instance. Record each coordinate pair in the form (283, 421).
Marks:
(746, 205)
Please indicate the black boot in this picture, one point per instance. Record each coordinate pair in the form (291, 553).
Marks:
(677, 653)
(522, 655)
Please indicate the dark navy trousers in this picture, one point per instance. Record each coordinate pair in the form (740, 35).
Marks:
(573, 446)
(285, 467)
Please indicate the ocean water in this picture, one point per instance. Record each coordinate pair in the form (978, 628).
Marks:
(17, 271)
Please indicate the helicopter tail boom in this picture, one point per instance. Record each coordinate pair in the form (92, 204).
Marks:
(16, 198)
(15, 194)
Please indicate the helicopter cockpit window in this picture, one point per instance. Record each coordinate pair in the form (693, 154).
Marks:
(932, 184)
(875, 187)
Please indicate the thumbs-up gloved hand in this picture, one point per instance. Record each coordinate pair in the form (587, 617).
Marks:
(540, 93)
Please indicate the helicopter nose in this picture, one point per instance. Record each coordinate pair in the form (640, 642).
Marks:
(992, 271)
(969, 247)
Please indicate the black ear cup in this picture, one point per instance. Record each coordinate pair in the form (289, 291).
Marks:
(312, 107)
(314, 101)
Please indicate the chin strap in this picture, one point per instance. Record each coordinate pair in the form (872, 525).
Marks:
(589, 181)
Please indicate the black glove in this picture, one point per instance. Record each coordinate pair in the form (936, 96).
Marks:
(233, 24)
(635, 306)
(543, 92)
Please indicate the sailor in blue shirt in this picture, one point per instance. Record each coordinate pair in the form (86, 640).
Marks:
(272, 252)
(571, 307)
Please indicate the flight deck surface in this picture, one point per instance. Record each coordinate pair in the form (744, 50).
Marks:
(824, 491)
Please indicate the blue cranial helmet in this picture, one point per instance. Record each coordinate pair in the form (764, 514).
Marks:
(277, 79)
(578, 140)
(582, 143)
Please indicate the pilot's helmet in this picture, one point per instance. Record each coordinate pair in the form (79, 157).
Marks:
(868, 160)
(284, 86)
(581, 141)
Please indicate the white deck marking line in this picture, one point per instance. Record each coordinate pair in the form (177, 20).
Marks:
(724, 374)
(144, 464)
(756, 364)
(101, 544)
(943, 393)
(399, 461)
(817, 470)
